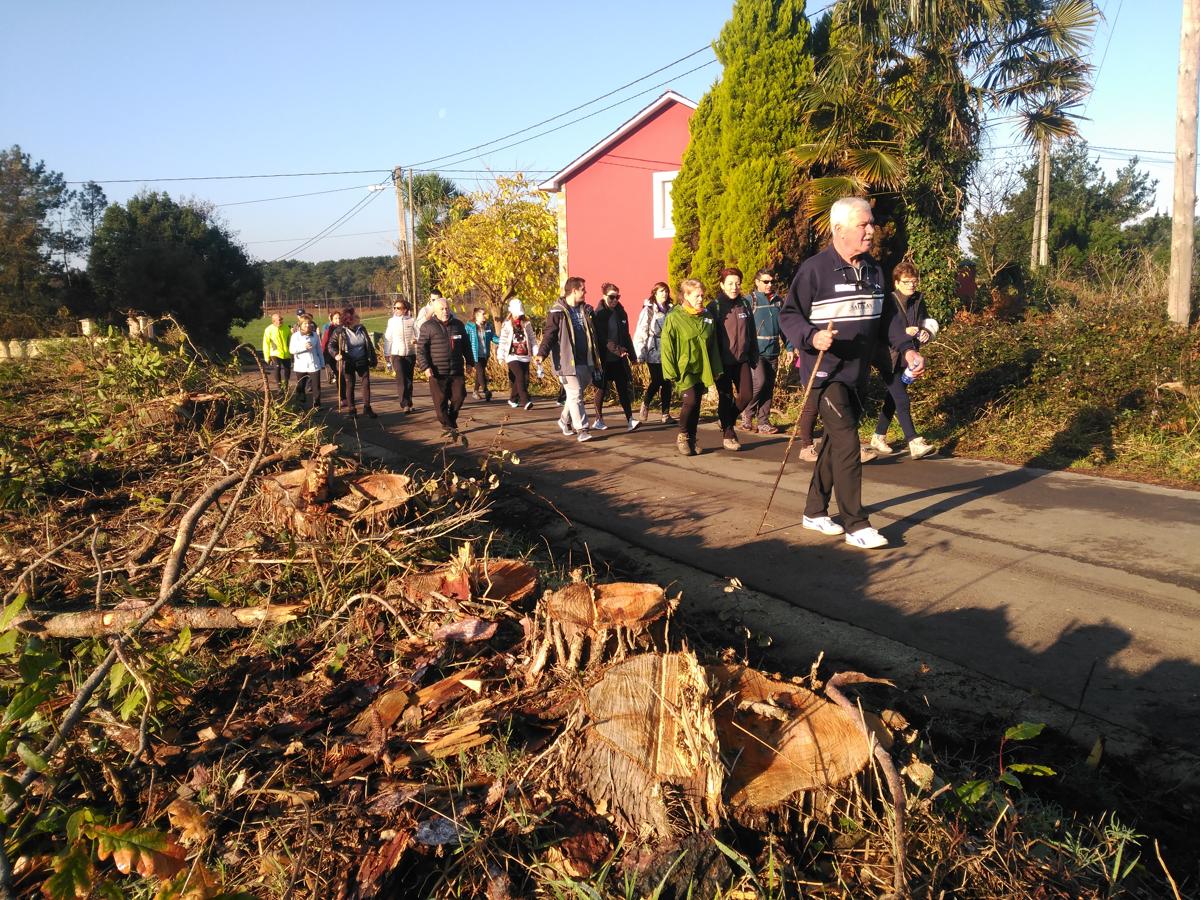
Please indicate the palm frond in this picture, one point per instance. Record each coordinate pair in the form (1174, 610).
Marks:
(875, 166)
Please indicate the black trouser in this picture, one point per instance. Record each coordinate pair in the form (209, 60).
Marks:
(448, 393)
(481, 380)
(303, 381)
(896, 403)
(689, 412)
(518, 381)
(838, 468)
(808, 418)
(734, 390)
(616, 372)
(658, 383)
(763, 380)
(351, 371)
(403, 367)
(282, 370)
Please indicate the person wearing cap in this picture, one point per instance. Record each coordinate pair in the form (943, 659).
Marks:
(516, 352)
(276, 354)
(910, 306)
(400, 347)
(300, 315)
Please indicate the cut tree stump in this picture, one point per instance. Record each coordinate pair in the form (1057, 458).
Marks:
(643, 747)
(781, 738)
(466, 577)
(582, 626)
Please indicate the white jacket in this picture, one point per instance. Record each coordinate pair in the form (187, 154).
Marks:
(400, 337)
(506, 340)
(647, 336)
(306, 353)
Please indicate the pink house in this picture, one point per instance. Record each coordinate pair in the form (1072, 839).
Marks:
(614, 203)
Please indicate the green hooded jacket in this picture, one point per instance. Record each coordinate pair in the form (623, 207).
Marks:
(689, 349)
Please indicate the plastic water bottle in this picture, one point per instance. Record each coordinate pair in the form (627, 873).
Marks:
(907, 376)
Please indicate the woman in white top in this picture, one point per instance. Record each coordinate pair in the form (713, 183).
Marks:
(646, 346)
(517, 345)
(307, 361)
(400, 346)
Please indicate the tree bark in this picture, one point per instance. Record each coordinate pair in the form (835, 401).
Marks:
(1183, 214)
(92, 623)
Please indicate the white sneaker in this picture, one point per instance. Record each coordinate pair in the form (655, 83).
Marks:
(633, 423)
(565, 428)
(866, 539)
(879, 443)
(918, 448)
(823, 524)
(513, 404)
(599, 425)
(866, 454)
(528, 405)
(584, 436)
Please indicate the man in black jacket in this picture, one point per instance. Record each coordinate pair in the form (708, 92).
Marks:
(836, 305)
(444, 354)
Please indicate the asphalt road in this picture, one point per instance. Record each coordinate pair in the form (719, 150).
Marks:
(1067, 586)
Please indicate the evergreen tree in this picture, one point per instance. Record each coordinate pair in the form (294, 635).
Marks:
(733, 202)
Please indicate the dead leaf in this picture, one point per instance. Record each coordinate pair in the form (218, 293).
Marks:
(189, 820)
(207, 733)
(466, 630)
(920, 774)
(142, 850)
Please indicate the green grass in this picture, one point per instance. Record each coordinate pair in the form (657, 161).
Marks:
(252, 332)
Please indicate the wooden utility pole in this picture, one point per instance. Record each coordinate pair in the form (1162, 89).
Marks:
(412, 229)
(398, 181)
(1035, 234)
(1183, 213)
(1044, 231)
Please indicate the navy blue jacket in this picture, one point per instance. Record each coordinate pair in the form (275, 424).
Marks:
(829, 289)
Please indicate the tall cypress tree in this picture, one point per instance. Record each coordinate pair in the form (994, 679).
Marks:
(733, 199)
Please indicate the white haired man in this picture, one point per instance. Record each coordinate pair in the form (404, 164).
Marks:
(836, 306)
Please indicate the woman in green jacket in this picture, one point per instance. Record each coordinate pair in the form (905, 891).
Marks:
(690, 358)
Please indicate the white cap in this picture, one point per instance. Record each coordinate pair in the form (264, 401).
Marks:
(515, 307)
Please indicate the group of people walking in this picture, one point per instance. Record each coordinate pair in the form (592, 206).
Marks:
(836, 317)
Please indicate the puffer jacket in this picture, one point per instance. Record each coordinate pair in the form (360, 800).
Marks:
(443, 347)
(647, 336)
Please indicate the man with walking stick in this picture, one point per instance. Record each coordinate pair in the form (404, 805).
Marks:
(834, 315)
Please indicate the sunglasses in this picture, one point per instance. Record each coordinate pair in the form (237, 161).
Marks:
(613, 296)
(767, 280)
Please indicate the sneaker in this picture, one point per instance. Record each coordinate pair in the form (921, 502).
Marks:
(513, 403)
(879, 443)
(918, 448)
(808, 453)
(866, 454)
(746, 425)
(685, 445)
(823, 524)
(370, 412)
(633, 424)
(866, 539)
(598, 425)
(731, 443)
(528, 405)
(667, 419)
(565, 428)
(643, 412)
(768, 428)
(584, 436)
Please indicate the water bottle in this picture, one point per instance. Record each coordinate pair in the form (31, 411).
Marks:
(907, 376)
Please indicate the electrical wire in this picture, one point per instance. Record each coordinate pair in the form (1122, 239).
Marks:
(228, 177)
(354, 210)
(357, 187)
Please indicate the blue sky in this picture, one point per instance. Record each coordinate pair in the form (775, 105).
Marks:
(138, 90)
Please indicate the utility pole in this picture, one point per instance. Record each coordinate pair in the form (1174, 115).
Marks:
(1183, 213)
(412, 221)
(398, 181)
(1034, 240)
(1044, 231)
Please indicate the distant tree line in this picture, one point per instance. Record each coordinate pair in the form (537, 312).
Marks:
(288, 282)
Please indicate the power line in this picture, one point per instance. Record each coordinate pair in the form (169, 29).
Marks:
(357, 187)
(228, 177)
(1103, 56)
(345, 235)
(354, 210)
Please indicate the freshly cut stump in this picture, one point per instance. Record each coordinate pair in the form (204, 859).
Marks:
(506, 581)
(587, 625)
(376, 499)
(643, 746)
(781, 738)
(286, 502)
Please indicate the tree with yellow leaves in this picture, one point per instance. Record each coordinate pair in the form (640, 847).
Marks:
(504, 244)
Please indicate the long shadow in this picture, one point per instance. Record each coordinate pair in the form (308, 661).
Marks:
(709, 526)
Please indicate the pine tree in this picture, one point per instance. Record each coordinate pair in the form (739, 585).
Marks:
(733, 199)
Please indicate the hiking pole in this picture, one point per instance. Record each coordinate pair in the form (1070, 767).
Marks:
(792, 437)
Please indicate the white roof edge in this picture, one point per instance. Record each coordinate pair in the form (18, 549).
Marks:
(554, 182)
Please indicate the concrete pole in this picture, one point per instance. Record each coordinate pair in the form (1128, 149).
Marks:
(412, 229)
(398, 181)
(1183, 212)
(1044, 231)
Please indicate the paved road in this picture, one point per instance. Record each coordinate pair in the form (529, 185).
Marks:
(1064, 585)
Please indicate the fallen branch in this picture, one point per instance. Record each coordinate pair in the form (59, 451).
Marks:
(94, 623)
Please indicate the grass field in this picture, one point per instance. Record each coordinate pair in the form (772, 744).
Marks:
(252, 332)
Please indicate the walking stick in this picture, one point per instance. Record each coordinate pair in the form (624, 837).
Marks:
(792, 437)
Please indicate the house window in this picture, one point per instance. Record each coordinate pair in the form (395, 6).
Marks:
(664, 225)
